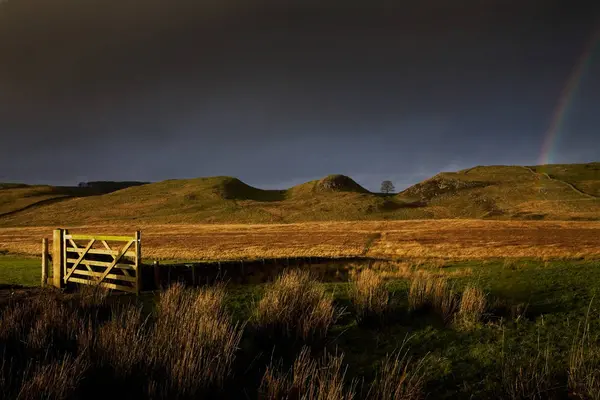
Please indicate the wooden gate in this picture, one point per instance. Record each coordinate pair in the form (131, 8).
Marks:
(113, 262)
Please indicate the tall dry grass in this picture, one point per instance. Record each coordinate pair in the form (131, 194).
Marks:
(296, 306)
(194, 341)
(369, 294)
(308, 379)
(472, 306)
(528, 376)
(433, 293)
(584, 364)
(52, 344)
(399, 377)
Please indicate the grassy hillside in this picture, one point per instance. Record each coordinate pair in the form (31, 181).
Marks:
(540, 192)
(558, 192)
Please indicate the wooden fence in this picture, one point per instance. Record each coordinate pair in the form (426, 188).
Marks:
(113, 262)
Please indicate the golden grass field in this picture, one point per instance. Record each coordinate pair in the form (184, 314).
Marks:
(413, 239)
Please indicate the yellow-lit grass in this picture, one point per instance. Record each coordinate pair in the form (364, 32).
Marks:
(56, 380)
(412, 240)
(194, 341)
(122, 342)
(434, 293)
(399, 378)
(296, 306)
(472, 306)
(370, 296)
(308, 379)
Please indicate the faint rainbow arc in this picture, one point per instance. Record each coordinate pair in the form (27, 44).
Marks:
(566, 98)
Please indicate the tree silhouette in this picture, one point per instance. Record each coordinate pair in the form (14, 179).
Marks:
(387, 187)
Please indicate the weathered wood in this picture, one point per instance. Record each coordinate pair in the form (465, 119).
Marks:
(76, 263)
(138, 262)
(57, 257)
(116, 260)
(129, 289)
(64, 255)
(76, 249)
(130, 254)
(115, 277)
(44, 261)
(101, 237)
(106, 264)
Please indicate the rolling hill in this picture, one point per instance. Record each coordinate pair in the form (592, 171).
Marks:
(556, 192)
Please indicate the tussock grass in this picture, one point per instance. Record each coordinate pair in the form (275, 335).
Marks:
(57, 380)
(435, 294)
(308, 379)
(121, 343)
(472, 306)
(399, 377)
(296, 306)
(370, 296)
(194, 341)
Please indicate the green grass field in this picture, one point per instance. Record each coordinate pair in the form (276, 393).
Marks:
(536, 311)
(19, 270)
(521, 347)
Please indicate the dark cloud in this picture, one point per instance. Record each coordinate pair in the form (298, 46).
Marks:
(277, 91)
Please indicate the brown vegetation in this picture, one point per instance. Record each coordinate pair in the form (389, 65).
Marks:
(472, 306)
(369, 295)
(296, 306)
(399, 378)
(436, 294)
(308, 379)
(413, 240)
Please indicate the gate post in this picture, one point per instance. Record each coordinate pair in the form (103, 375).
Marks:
(44, 261)
(138, 262)
(57, 257)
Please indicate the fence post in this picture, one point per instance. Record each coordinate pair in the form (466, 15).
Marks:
(44, 261)
(57, 257)
(138, 262)
(157, 274)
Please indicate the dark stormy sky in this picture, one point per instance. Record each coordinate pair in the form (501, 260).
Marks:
(280, 92)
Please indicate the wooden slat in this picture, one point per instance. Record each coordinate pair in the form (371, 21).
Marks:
(106, 264)
(124, 278)
(44, 261)
(76, 248)
(100, 251)
(89, 246)
(138, 260)
(104, 284)
(116, 260)
(101, 237)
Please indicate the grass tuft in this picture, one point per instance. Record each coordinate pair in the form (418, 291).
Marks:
(296, 306)
(194, 341)
(435, 294)
(308, 379)
(370, 296)
(399, 378)
(472, 306)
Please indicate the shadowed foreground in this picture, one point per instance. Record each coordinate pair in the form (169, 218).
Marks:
(514, 330)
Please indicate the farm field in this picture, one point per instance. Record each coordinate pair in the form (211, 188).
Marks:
(414, 239)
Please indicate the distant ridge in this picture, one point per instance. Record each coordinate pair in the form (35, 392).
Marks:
(552, 192)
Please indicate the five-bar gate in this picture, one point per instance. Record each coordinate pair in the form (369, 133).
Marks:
(113, 262)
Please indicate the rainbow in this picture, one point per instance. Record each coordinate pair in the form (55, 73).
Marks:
(552, 136)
